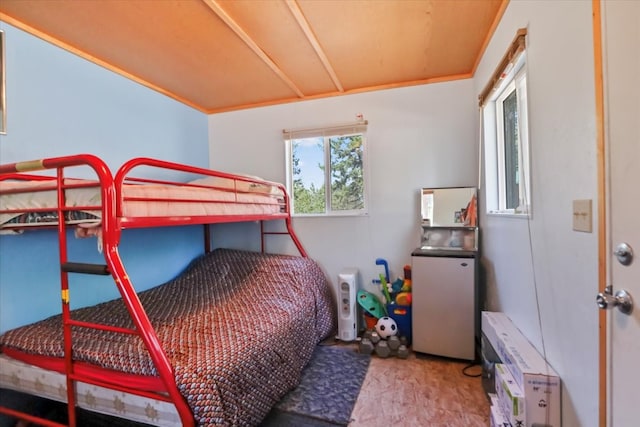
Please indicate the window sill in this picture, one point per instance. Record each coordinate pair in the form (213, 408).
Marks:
(508, 214)
(332, 215)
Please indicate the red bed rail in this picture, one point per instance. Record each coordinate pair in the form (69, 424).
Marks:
(111, 235)
(113, 221)
(123, 177)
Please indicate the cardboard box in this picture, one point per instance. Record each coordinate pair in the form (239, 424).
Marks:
(489, 358)
(510, 397)
(540, 384)
(497, 418)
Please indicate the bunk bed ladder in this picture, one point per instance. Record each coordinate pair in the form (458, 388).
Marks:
(115, 268)
(85, 268)
(67, 267)
(66, 310)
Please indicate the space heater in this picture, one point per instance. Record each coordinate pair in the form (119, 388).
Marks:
(347, 307)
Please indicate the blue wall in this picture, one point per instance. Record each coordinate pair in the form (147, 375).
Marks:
(60, 104)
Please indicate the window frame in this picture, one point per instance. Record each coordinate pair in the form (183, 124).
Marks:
(514, 79)
(326, 134)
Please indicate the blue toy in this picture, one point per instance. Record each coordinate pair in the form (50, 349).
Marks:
(381, 261)
(396, 286)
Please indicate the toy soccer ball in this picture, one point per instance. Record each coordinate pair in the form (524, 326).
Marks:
(386, 327)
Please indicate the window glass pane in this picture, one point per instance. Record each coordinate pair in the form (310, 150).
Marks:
(308, 175)
(325, 173)
(512, 187)
(347, 183)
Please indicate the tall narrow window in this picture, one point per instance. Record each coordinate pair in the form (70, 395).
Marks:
(511, 177)
(505, 137)
(326, 170)
(3, 79)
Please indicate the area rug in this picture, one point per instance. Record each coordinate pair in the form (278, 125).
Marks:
(327, 392)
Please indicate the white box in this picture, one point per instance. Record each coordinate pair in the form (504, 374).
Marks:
(537, 379)
(498, 419)
(510, 397)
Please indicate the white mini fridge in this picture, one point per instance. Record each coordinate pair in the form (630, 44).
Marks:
(445, 309)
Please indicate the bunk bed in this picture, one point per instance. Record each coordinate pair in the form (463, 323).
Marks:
(218, 345)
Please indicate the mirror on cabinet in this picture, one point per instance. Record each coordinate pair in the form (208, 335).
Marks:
(449, 207)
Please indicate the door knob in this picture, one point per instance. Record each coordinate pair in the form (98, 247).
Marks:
(622, 299)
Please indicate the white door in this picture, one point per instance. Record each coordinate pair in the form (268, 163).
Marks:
(621, 60)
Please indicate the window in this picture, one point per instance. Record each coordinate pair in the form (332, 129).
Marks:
(326, 170)
(506, 136)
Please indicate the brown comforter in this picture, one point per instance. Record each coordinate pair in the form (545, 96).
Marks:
(237, 326)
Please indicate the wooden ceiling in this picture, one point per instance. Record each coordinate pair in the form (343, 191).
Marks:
(222, 55)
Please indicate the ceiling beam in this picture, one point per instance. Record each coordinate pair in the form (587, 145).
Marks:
(231, 23)
(306, 28)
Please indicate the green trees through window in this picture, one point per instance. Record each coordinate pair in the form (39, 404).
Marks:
(327, 174)
(511, 155)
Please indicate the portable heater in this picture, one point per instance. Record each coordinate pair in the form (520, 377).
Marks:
(347, 307)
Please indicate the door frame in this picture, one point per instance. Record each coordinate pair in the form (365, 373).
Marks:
(603, 230)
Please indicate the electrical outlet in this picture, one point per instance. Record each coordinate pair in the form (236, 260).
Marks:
(582, 217)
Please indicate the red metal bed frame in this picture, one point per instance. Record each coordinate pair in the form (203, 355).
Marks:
(112, 224)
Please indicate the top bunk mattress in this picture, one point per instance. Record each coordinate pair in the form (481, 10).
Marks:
(33, 203)
(238, 327)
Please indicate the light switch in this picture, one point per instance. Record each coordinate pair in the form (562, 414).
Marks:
(582, 215)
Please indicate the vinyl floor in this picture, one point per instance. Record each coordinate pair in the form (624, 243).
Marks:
(421, 391)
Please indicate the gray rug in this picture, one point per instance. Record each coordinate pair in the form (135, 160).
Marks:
(327, 392)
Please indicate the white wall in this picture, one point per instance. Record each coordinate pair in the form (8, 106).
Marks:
(418, 136)
(541, 272)
(427, 136)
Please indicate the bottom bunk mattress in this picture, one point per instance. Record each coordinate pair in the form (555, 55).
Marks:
(32, 380)
(237, 326)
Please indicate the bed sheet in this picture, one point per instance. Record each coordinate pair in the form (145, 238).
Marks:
(37, 197)
(238, 327)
